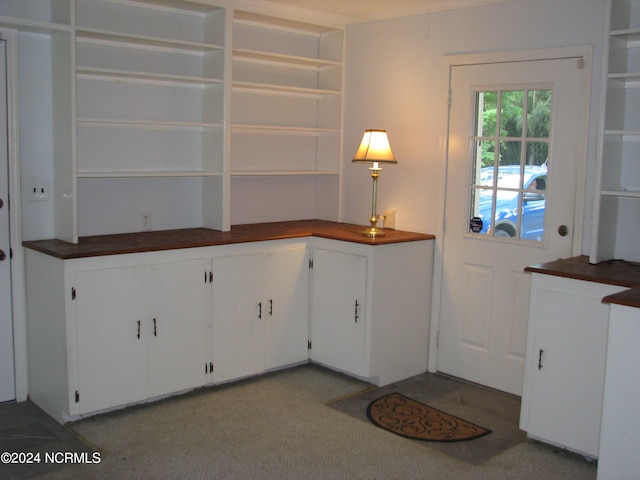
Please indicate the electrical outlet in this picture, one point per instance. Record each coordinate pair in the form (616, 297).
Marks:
(389, 219)
(38, 191)
(146, 221)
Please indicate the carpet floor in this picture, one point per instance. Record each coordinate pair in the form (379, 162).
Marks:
(279, 426)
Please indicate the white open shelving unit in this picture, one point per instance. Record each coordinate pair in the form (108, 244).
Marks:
(286, 118)
(616, 225)
(200, 115)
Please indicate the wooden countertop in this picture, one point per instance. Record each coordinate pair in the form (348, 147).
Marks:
(101, 245)
(615, 272)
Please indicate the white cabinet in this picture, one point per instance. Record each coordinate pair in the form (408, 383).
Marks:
(565, 362)
(259, 308)
(338, 310)
(114, 330)
(620, 432)
(370, 308)
(616, 220)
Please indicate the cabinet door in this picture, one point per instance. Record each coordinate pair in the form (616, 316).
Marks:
(111, 355)
(175, 326)
(566, 364)
(287, 287)
(239, 315)
(338, 310)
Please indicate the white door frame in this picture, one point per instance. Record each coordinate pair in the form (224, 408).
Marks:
(18, 297)
(453, 60)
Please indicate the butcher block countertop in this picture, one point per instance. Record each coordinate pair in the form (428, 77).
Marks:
(615, 272)
(101, 245)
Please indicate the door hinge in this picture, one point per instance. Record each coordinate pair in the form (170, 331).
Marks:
(437, 338)
(73, 293)
(10, 253)
(77, 396)
(208, 367)
(310, 263)
(580, 63)
(309, 345)
(208, 277)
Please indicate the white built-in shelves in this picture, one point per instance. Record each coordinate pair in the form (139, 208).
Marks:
(617, 203)
(149, 112)
(39, 16)
(286, 117)
(200, 115)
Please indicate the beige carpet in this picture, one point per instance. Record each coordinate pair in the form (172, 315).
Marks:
(279, 427)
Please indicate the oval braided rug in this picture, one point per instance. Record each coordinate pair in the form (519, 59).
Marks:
(409, 418)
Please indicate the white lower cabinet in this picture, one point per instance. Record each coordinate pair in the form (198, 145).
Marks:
(113, 330)
(259, 308)
(370, 308)
(139, 333)
(565, 362)
(338, 310)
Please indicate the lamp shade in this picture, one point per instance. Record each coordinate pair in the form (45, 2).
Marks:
(374, 148)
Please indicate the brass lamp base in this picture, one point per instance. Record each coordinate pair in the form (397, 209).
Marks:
(373, 231)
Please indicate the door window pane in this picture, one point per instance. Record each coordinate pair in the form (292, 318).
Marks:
(509, 163)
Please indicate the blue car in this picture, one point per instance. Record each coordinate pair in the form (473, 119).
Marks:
(506, 214)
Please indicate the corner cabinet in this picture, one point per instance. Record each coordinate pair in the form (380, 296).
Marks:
(260, 302)
(368, 317)
(111, 325)
(565, 362)
(617, 200)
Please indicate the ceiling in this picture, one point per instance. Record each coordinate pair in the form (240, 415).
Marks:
(367, 10)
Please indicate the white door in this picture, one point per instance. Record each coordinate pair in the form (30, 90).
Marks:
(287, 297)
(175, 326)
(7, 380)
(338, 310)
(513, 153)
(111, 336)
(239, 315)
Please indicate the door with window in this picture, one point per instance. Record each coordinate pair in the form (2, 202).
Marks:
(516, 136)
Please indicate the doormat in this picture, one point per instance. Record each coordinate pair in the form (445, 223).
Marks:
(406, 417)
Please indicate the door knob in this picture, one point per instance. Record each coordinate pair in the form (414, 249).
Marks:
(563, 230)
(3, 256)
(1, 203)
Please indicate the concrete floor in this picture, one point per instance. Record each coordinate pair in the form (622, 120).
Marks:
(30, 434)
(497, 411)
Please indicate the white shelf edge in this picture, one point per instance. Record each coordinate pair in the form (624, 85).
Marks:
(276, 130)
(265, 22)
(283, 89)
(145, 124)
(620, 193)
(148, 174)
(283, 173)
(145, 40)
(158, 78)
(36, 26)
(282, 59)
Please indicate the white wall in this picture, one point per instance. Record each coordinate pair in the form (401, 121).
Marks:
(396, 80)
(36, 137)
